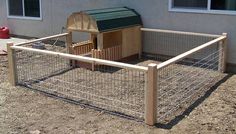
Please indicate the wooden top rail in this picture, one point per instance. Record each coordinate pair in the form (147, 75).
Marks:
(190, 52)
(41, 39)
(180, 32)
(82, 43)
(84, 59)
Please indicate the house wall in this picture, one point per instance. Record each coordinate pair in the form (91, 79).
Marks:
(3, 14)
(54, 16)
(155, 14)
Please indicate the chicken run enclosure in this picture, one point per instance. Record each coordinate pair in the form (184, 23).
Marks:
(165, 72)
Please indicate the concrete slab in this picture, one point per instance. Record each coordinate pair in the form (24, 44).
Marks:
(3, 44)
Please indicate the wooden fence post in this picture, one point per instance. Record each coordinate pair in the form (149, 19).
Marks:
(222, 55)
(12, 64)
(151, 95)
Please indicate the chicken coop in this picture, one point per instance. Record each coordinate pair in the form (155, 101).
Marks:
(114, 34)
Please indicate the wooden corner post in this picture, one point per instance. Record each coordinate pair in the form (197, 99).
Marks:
(12, 64)
(222, 54)
(151, 95)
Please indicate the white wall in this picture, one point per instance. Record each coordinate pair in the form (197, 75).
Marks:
(3, 14)
(54, 14)
(155, 14)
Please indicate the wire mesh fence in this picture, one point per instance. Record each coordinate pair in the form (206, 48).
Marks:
(121, 88)
(111, 88)
(54, 45)
(161, 45)
(182, 83)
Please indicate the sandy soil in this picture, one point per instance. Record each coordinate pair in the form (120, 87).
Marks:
(27, 111)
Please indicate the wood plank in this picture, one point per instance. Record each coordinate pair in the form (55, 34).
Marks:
(223, 54)
(179, 32)
(93, 64)
(100, 41)
(82, 21)
(12, 64)
(130, 41)
(112, 39)
(151, 95)
(94, 31)
(69, 42)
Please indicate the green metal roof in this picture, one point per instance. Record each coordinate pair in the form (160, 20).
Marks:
(114, 18)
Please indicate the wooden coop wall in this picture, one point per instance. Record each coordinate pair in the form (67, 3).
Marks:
(131, 41)
(81, 22)
(112, 39)
(128, 38)
(123, 44)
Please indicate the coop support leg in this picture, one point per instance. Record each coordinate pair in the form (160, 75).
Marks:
(12, 64)
(69, 46)
(93, 63)
(151, 95)
(222, 54)
(69, 42)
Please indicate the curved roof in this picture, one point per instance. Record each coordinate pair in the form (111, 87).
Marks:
(102, 20)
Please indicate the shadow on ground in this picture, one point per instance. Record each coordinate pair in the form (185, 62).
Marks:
(169, 125)
(179, 118)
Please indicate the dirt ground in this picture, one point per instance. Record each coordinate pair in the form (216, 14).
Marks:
(27, 111)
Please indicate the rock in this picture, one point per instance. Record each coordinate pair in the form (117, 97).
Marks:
(35, 132)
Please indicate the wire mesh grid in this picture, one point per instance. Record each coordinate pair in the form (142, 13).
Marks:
(55, 45)
(182, 83)
(162, 46)
(110, 88)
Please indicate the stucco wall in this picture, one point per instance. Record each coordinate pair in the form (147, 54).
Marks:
(54, 14)
(3, 14)
(155, 14)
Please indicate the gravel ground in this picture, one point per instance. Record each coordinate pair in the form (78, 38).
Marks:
(27, 111)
